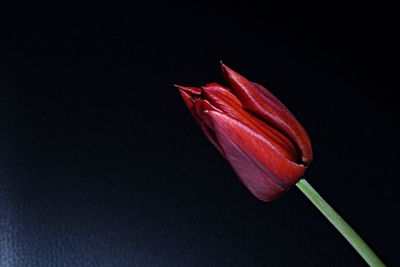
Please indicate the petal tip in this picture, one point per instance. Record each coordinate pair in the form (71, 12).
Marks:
(232, 76)
(180, 87)
(224, 68)
(189, 89)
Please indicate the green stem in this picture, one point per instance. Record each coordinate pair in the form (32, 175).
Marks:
(351, 236)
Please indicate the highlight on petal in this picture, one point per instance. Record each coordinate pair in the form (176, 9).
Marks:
(259, 101)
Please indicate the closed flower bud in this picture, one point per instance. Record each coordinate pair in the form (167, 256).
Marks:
(263, 142)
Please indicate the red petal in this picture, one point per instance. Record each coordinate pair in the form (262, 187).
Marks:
(261, 102)
(189, 89)
(230, 105)
(187, 99)
(263, 171)
(187, 94)
(221, 90)
(201, 107)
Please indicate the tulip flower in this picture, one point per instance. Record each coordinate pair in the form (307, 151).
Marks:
(264, 143)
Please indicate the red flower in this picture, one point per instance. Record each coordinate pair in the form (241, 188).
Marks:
(264, 143)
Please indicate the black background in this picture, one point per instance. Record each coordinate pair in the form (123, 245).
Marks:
(102, 165)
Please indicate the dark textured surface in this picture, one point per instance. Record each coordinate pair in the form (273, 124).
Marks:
(102, 165)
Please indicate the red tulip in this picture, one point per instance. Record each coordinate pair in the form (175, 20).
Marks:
(264, 143)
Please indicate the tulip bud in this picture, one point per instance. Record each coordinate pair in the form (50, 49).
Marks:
(263, 142)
